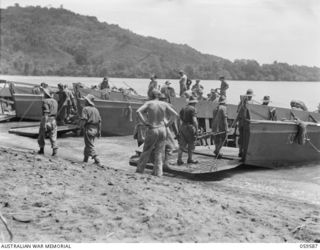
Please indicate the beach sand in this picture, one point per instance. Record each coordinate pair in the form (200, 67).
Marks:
(60, 199)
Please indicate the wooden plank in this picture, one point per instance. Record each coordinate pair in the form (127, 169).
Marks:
(33, 131)
(6, 117)
(206, 164)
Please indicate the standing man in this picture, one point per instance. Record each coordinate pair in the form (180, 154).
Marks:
(91, 125)
(48, 124)
(168, 92)
(156, 112)
(242, 119)
(62, 104)
(223, 87)
(182, 82)
(70, 101)
(220, 125)
(104, 84)
(188, 130)
(152, 85)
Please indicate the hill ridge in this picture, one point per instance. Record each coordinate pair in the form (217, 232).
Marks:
(55, 41)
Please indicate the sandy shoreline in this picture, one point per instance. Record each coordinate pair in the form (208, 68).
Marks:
(65, 201)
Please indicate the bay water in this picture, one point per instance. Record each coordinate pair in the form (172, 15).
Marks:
(281, 93)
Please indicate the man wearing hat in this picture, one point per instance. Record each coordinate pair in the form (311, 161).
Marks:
(242, 119)
(48, 124)
(168, 92)
(266, 100)
(248, 96)
(91, 124)
(220, 125)
(182, 82)
(156, 115)
(188, 130)
(223, 87)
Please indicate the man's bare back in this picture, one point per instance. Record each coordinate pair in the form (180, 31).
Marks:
(155, 113)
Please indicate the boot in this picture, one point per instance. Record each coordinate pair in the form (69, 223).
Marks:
(86, 158)
(54, 152)
(41, 151)
(97, 161)
(190, 161)
(180, 162)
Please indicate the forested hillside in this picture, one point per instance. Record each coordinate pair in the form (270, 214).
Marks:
(51, 41)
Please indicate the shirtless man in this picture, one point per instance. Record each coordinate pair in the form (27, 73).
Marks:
(156, 134)
(182, 82)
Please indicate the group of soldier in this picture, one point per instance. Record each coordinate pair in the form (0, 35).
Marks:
(157, 116)
(160, 118)
(56, 107)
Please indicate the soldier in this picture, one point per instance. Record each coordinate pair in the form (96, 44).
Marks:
(223, 87)
(188, 130)
(299, 105)
(266, 100)
(91, 124)
(104, 84)
(152, 86)
(242, 119)
(220, 125)
(168, 92)
(159, 115)
(248, 97)
(213, 96)
(182, 82)
(62, 104)
(48, 124)
(70, 101)
(197, 88)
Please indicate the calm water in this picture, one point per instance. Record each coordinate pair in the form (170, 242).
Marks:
(281, 93)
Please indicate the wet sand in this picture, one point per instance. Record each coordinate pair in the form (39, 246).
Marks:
(60, 199)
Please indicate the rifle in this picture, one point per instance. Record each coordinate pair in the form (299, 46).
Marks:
(209, 134)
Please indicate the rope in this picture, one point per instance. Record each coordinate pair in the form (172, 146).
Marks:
(313, 146)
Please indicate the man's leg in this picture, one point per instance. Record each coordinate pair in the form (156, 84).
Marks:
(180, 152)
(148, 147)
(158, 163)
(159, 152)
(89, 149)
(41, 136)
(219, 143)
(190, 154)
(53, 136)
(240, 141)
(191, 144)
(167, 150)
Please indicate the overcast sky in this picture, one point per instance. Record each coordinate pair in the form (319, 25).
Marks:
(264, 30)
